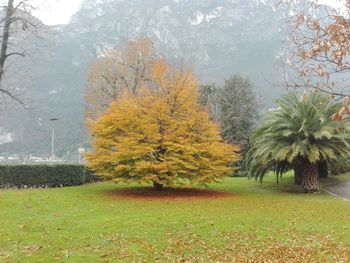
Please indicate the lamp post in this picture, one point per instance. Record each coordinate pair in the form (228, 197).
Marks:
(53, 138)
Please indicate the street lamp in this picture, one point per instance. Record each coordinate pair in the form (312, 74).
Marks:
(53, 138)
(81, 151)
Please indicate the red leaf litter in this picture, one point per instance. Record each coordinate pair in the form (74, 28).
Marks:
(167, 194)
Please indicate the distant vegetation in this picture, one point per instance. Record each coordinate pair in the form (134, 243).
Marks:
(217, 39)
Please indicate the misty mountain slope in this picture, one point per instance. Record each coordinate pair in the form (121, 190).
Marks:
(217, 37)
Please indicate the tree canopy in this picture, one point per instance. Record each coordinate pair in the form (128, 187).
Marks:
(17, 24)
(299, 133)
(234, 106)
(318, 46)
(160, 135)
(128, 67)
(238, 109)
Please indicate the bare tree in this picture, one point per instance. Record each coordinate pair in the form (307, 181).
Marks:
(319, 47)
(128, 67)
(17, 24)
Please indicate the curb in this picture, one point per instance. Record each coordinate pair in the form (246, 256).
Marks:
(335, 195)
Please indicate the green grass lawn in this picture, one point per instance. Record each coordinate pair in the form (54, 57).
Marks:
(92, 223)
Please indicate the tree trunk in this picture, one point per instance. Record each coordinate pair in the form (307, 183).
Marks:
(5, 37)
(323, 169)
(157, 186)
(297, 173)
(309, 180)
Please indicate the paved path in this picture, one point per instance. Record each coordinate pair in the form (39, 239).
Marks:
(340, 190)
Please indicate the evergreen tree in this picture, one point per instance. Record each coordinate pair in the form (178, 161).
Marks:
(237, 106)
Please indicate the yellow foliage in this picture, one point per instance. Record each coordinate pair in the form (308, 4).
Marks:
(160, 135)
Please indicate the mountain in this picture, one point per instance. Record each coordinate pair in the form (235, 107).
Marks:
(217, 37)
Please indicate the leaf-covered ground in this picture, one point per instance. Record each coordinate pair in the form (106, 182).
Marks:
(252, 223)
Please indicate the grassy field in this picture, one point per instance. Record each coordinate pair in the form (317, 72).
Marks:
(96, 223)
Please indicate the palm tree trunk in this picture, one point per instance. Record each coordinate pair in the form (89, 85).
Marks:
(323, 169)
(310, 176)
(297, 174)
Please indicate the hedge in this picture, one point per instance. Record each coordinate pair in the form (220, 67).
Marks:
(38, 176)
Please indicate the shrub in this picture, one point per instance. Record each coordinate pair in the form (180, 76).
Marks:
(23, 176)
(90, 177)
(340, 166)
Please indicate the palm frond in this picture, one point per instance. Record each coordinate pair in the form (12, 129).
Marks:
(300, 126)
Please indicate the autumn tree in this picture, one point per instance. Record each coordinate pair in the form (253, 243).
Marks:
(161, 135)
(318, 46)
(17, 23)
(128, 67)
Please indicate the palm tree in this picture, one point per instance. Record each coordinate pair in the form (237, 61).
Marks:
(298, 135)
